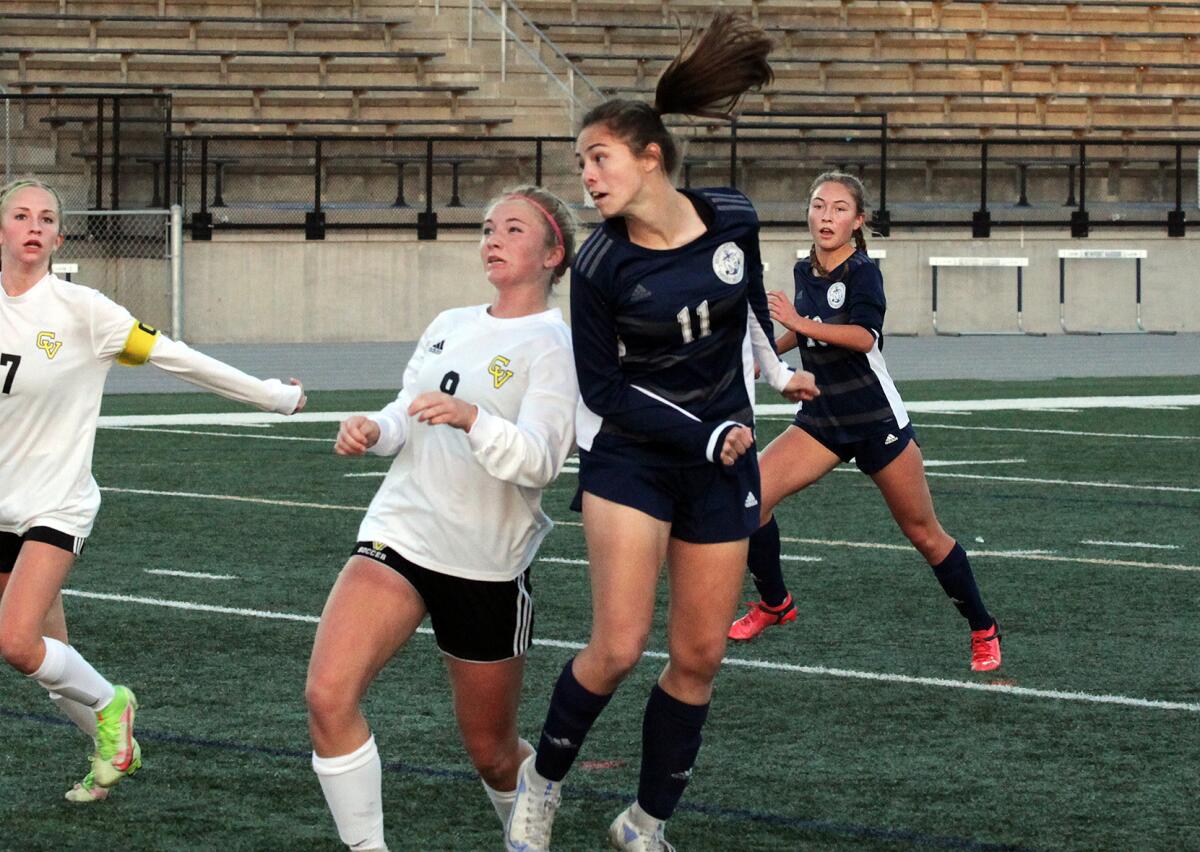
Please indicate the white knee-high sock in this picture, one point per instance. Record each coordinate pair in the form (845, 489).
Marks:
(502, 800)
(353, 788)
(83, 716)
(67, 673)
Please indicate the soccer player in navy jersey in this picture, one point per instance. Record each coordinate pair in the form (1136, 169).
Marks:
(668, 316)
(837, 321)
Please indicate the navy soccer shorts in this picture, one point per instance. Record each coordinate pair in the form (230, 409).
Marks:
(704, 504)
(10, 544)
(871, 454)
(480, 621)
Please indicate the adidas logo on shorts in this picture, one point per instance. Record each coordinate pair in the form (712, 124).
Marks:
(750, 501)
(437, 348)
(890, 439)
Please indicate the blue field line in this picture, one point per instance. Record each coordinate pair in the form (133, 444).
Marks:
(818, 826)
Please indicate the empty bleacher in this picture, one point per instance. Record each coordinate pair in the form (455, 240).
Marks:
(931, 65)
(299, 67)
(956, 69)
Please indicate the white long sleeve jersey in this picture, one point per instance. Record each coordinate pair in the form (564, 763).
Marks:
(468, 504)
(58, 341)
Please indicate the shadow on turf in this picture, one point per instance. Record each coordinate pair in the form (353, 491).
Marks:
(815, 826)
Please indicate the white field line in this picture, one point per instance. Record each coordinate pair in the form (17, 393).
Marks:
(559, 560)
(1033, 555)
(1144, 544)
(951, 463)
(823, 671)
(1023, 554)
(1048, 403)
(382, 473)
(227, 418)
(1072, 432)
(848, 468)
(219, 434)
(1179, 489)
(293, 504)
(194, 574)
(241, 418)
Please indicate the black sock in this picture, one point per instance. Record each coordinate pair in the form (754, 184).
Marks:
(670, 742)
(573, 711)
(765, 567)
(958, 581)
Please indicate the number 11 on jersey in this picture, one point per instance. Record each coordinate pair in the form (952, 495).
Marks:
(685, 322)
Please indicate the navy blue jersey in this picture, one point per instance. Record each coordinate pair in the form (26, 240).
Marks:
(665, 340)
(858, 398)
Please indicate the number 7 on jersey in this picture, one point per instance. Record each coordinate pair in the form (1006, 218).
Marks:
(12, 362)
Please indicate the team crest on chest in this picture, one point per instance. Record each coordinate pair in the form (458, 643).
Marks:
(497, 370)
(729, 263)
(836, 295)
(48, 343)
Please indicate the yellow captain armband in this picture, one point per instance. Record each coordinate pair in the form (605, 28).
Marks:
(138, 345)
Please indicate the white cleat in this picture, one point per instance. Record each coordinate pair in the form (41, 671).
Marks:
(532, 816)
(631, 832)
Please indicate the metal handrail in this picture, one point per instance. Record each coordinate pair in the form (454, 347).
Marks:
(574, 73)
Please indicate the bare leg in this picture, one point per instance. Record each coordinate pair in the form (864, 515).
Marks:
(371, 612)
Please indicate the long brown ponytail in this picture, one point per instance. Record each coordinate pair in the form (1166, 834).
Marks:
(728, 60)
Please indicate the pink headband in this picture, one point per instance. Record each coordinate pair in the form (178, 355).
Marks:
(553, 222)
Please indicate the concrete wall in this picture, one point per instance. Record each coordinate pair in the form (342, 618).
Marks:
(275, 288)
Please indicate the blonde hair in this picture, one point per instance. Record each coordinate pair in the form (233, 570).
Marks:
(557, 210)
(11, 188)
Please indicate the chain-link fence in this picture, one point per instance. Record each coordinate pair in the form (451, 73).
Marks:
(106, 156)
(132, 256)
(99, 151)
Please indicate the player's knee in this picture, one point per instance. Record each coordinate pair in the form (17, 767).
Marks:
(494, 757)
(618, 656)
(20, 649)
(699, 659)
(925, 535)
(327, 698)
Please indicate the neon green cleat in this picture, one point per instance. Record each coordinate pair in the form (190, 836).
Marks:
(87, 791)
(117, 752)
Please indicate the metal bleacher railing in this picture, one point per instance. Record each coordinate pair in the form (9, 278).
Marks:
(116, 151)
(367, 182)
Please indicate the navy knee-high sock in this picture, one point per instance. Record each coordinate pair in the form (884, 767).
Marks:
(670, 742)
(958, 581)
(573, 711)
(764, 563)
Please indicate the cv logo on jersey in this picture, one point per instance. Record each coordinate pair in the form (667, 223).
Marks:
(497, 370)
(729, 263)
(47, 342)
(836, 295)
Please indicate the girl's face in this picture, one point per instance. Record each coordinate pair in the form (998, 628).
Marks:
(513, 247)
(612, 174)
(29, 228)
(833, 216)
